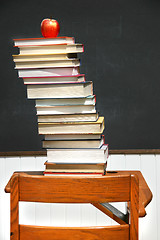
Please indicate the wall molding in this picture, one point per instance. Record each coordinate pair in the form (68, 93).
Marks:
(134, 151)
(111, 151)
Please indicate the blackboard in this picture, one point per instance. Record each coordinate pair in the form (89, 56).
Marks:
(121, 56)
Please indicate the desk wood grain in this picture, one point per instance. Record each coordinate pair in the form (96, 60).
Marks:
(145, 194)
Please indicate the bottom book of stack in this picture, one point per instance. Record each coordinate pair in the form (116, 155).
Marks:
(71, 162)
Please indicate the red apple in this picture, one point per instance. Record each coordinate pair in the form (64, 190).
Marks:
(49, 28)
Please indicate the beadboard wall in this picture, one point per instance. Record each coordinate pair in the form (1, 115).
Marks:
(80, 214)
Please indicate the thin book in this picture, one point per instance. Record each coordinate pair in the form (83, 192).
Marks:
(67, 109)
(43, 41)
(94, 143)
(43, 57)
(54, 79)
(89, 100)
(72, 136)
(47, 63)
(82, 117)
(49, 71)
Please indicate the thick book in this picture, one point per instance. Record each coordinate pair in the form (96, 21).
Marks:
(75, 167)
(94, 143)
(72, 136)
(82, 117)
(85, 155)
(43, 41)
(63, 90)
(89, 100)
(67, 109)
(72, 127)
(43, 57)
(47, 64)
(54, 79)
(48, 72)
(56, 48)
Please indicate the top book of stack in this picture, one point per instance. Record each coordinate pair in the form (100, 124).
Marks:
(43, 41)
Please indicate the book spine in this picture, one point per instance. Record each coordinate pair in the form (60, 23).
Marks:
(73, 173)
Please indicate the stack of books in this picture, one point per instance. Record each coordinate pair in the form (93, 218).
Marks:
(65, 105)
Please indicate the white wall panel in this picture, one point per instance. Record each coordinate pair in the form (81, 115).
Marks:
(11, 164)
(85, 214)
(3, 217)
(73, 215)
(26, 210)
(148, 168)
(40, 163)
(133, 162)
(158, 195)
(89, 216)
(116, 162)
(58, 214)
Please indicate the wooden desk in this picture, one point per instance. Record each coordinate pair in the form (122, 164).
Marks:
(145, 195)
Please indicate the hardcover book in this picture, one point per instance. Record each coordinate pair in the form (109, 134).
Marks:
(72, 127)
(47, 64)
(67, 109)
(94, 143)
(78, 155)
(43, 41)
(43, 57)
(63, 90)
(52, 48)
(82, 117)
(48, 72)
(89, 100)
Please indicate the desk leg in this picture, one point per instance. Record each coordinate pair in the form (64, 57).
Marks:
(112, 212)
(14, 197)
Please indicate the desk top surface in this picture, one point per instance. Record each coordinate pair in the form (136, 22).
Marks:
(145, 194)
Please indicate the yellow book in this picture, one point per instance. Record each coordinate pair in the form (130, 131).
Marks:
(48, 63)
(43, 57)
(56, 48)
(72, 127)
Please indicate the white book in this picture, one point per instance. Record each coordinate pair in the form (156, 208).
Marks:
(89, 100)
(65, 90)
(67, 109)
(78, 155)
(43, 41)
(48, 72)
(82, 117)
(56, 48)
